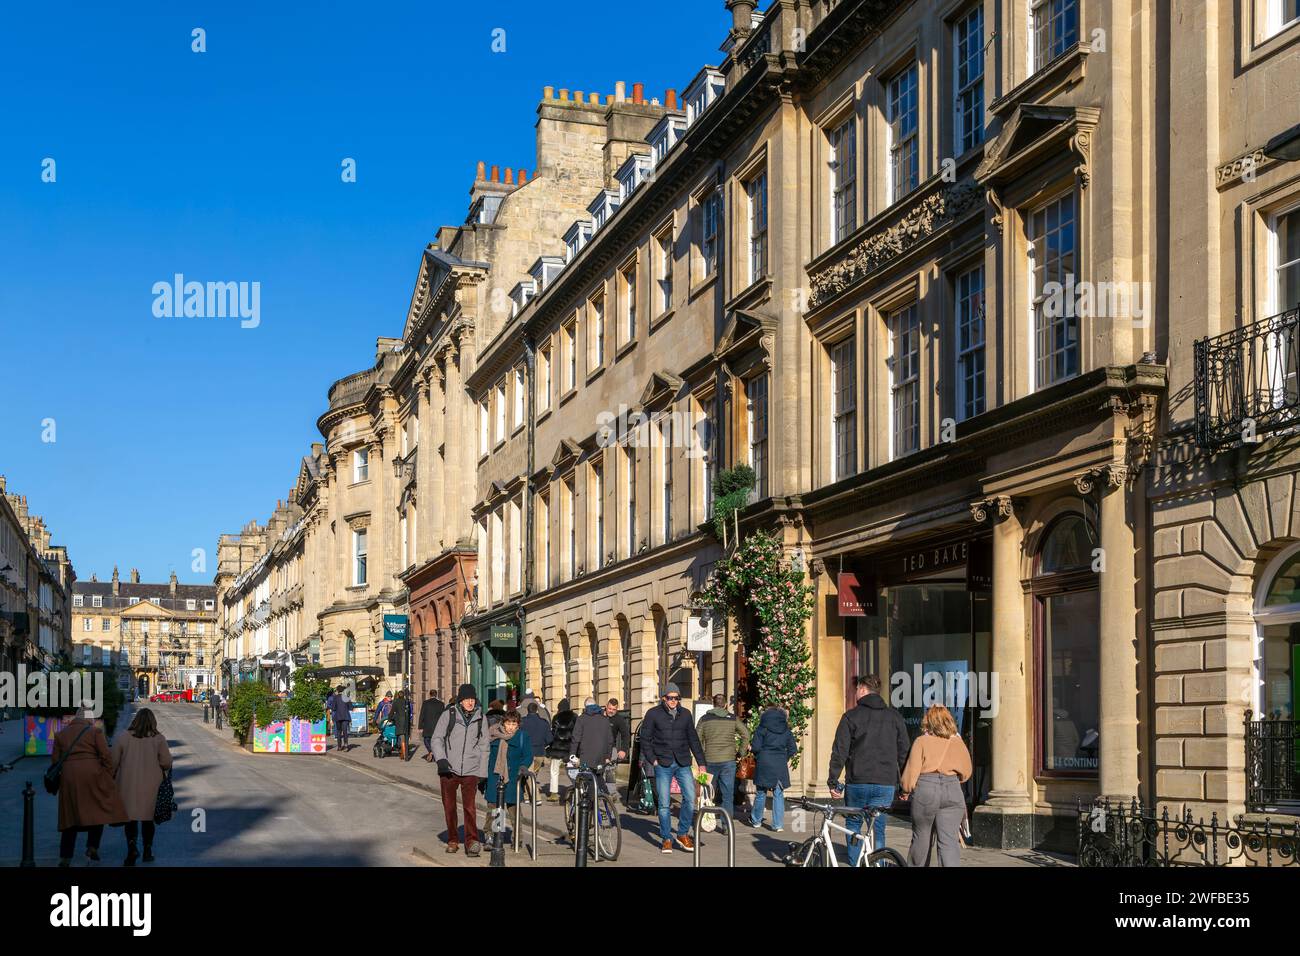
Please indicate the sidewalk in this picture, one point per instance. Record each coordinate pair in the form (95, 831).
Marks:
(641, 845)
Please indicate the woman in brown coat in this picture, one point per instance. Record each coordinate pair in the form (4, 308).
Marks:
(88, 797)
(140, 758)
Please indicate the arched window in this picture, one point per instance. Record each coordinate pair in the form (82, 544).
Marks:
(625, 662)
(1277, 638)
(349, 651)
(1067, 636)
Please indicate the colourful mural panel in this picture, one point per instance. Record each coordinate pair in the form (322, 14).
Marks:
(39, 734)
(290, 737)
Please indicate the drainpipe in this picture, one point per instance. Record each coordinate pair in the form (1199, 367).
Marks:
(530, 375)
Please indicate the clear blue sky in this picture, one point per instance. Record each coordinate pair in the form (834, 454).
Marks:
(225, 166)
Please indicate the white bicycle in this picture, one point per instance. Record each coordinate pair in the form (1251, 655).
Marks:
(820, 849)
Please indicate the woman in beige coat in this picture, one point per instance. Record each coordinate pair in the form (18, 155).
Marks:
(140, 758)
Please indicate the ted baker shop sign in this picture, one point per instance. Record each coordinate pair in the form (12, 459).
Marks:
(933, 559)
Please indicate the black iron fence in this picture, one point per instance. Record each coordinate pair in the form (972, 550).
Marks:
(1117, 834)
(1247, 382)
(1272, 748)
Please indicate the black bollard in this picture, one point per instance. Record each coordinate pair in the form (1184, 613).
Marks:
(205, 712)
(498, 857)
(581, 823)
(218, 717)
(29, 826)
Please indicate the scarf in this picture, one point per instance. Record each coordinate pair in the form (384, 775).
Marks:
(501, 768)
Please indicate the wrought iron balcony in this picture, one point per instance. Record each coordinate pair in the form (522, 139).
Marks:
(1272, 778)
(1247, 382)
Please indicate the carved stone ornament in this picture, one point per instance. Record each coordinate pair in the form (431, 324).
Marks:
(934, 212)
(992, 509)
(1106, 478)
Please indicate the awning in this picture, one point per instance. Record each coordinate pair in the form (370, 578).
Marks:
(329, 673)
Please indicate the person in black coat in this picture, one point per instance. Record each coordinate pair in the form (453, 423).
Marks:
(871, 747)
(538, 729)
(668, 742)
(558, 750)
(400, 715)
(774, 746)
(618, 723)
(430, 711)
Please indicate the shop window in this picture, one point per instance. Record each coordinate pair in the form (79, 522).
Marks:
(1067, 619)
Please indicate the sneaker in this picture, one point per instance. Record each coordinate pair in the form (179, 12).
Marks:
(452, 848)
(473, 849)
(686, 843)
(552, 798)
(778, 829)
(667, 847)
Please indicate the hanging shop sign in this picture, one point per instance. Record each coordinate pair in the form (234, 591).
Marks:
(699, 632)
(979, 569)
(856, 594)
(396, 627)
(504, 635)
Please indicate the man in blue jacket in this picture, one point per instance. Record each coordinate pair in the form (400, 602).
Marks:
(668, 741)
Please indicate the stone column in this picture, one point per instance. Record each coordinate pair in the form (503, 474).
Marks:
(1006, 820)
(1117, 640)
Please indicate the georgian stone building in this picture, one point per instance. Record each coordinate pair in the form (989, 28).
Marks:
(36, 580)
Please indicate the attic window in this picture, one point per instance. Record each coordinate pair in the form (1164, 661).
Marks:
(632, 174)
(603, 207)
(665, 136)
(706, 88)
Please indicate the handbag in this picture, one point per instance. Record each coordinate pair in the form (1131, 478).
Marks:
(165, 805)
(54, 773)
(745, 767)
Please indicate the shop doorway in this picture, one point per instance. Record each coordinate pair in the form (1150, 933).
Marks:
(496, 672)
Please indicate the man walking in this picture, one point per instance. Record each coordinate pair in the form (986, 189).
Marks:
(538, 729)
(341, 711)
(430, 711)
(593, 736)
(460, 746)
(722, 736)
(871, 747)
(618, 723)
(668, 741)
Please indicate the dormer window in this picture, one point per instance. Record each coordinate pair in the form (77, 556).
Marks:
(632, 174)
(666, 134)
(485, 208)
(704, 89)
(523, 293)
(544, 271)
(579, 235)
(603, 207)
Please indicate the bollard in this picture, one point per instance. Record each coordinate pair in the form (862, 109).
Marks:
(218, 718)
(205, 712)
(581, 823)
(498, 857)
(29, 826)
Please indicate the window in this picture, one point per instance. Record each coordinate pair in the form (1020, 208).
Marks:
(905, 380)
(1277, 641)
(1285, 292)
(96, 601)
(500, 400)
(597, 505)
(629, 477)
(519, 396)
(756, 190)
(190, 604)
(406, 550)
(105, 624)
(498, 555)
(166, 627)
(756, 406)
(571, 526)
(77, 600)
(571, 356)
(596, 312)
(144, 627)
(544, 377)
(666, 474)
(360, 465)
(1067, 618)
(544, 537)
(904, 155)
(629, 301)
(968, 78)
(970, 343)
(359, 557)
(1055, 29)
(708, 216)
(844, 179)
(844, 418)
(1052, 260)
(85, 624)
(134, 600)
(707, 457)
(484, 435)
(664, 263)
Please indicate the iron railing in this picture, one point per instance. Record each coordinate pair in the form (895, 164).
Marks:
(1118, 834)
(1248, 382)
(1272, 762)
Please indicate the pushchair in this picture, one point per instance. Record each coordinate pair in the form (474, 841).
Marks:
(386, 743)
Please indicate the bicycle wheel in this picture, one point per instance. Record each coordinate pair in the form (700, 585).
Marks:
(885, 857)
(814, 853)
(609, 830)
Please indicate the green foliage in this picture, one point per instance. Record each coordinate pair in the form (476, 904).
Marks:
(251, 700)
(307, 700)
(731, 490)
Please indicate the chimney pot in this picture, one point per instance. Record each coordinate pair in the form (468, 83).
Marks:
(496, 173)
(510, 176)
(523, 176)
(638, 93)
(548, 92)
(564, 95)
(482, 172)
(620, 91)
(578, 97)
(670, 99)
(594, 99)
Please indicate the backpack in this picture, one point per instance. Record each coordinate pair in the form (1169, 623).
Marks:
(451, 723)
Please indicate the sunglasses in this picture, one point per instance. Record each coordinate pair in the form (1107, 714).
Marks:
(672, 698)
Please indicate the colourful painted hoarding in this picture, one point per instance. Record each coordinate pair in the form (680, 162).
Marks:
(291, 736)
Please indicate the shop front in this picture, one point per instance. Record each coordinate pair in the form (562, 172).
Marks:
(496, 662)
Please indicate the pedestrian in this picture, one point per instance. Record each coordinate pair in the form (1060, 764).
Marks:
(558, 750)
(341, 711)
(88, 797)
(538, 729)
(774, 746)
(532, 698)
(140, 759)
(383, 710)
(506, 762)
(400, 715)
(723, 737)
(460, 745)
(871, 747)
(936, 768)
(593, 736)
(618, 723)
(668, 742)
(430, 711)
(496, 712)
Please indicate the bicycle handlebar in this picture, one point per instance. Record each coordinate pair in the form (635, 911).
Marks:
(832, 810)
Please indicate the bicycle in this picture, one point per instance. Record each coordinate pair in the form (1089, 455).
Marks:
(607, 837)
(820, 849)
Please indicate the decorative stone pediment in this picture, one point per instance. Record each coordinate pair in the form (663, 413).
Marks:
(566, 451)
(1032, 135)
(746, 329)
(877, 250)
(662, 387)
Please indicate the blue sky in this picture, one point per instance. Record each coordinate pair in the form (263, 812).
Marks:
(225, 166)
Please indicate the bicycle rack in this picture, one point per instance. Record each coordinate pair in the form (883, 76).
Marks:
(519, 802)
(731, 833)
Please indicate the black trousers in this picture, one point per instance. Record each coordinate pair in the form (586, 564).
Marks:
(132, 827)
(68, 839)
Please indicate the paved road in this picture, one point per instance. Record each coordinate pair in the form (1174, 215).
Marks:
(261, 810)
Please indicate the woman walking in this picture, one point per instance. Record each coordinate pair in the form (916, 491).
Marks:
(773, 746)
(140, 758)
(511, 751)
(88, 797)
(936, 768)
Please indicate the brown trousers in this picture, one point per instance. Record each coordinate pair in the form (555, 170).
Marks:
(468, 787)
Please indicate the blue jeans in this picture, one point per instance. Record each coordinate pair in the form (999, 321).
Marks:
(778, 807)
(724, 783)
(663, 797)
(866, 795)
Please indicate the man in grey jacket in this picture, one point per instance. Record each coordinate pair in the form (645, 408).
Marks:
(460, 747)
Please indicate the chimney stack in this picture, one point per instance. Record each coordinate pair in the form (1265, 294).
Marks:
(135, 575)
(638, 93)
(115, 582)
(172, 584)
(670, 99)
